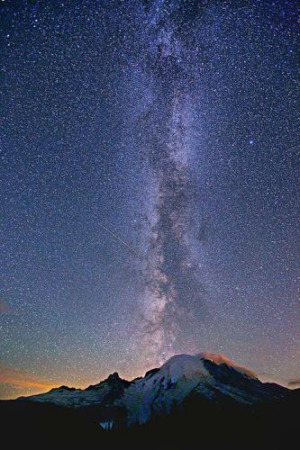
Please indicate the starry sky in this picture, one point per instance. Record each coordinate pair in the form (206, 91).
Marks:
(150, 187)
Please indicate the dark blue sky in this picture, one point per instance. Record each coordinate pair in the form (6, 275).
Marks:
(174, 125)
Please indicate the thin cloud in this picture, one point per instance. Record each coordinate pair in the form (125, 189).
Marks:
(294, 383)
(21, 380)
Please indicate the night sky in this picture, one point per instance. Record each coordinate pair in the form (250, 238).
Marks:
(150, 187)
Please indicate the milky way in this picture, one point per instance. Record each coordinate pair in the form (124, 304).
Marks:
(172, 287)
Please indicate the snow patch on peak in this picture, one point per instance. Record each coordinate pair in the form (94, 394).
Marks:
(183, 366)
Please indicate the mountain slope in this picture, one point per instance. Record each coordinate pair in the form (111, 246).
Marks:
(105, 392)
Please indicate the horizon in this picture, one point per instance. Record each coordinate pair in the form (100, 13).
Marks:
(289, 384)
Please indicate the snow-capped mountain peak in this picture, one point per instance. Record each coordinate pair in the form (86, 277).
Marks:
(210, 376)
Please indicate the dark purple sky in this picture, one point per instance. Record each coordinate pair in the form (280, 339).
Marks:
(172, 124)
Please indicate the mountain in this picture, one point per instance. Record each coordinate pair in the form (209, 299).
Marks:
(191, 401)
(214, 378)
(105, 392)
(208, 376)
